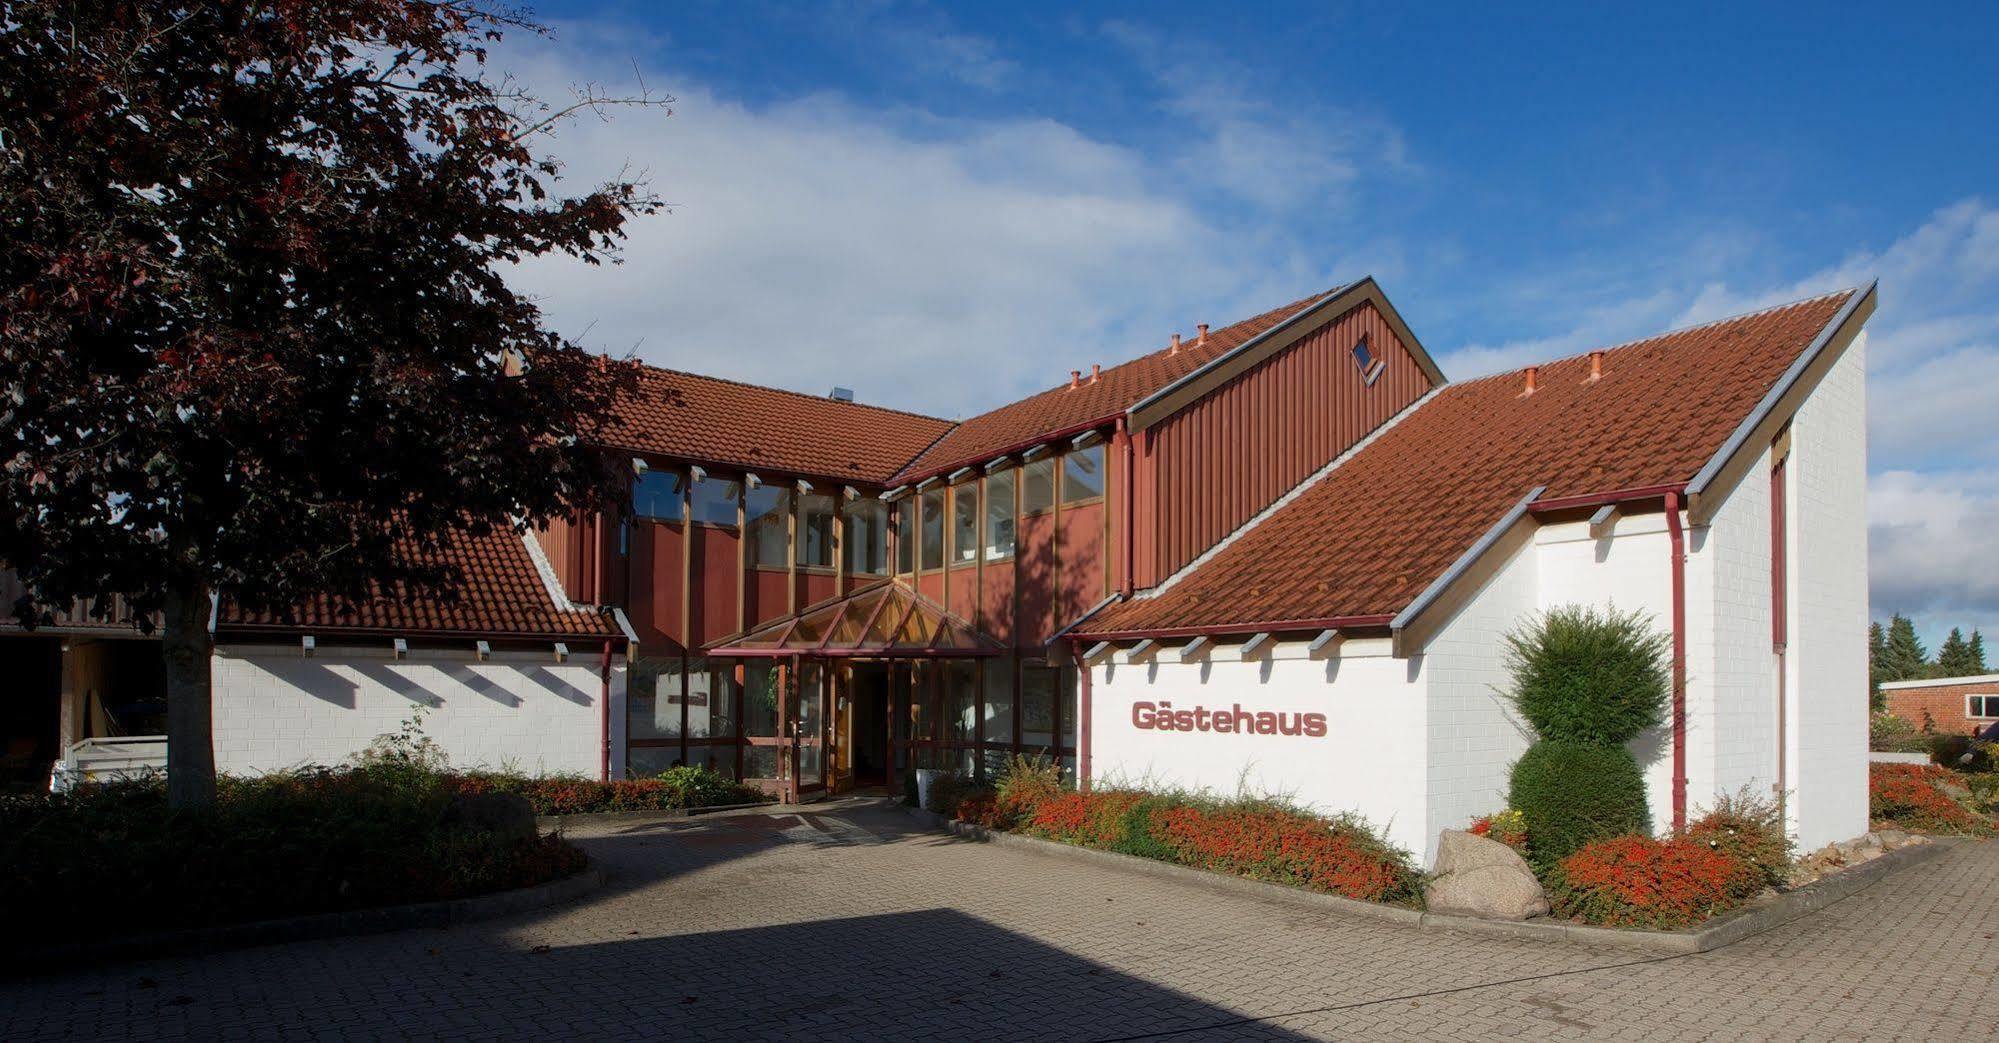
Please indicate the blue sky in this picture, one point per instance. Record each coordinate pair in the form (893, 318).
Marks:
(946, 207)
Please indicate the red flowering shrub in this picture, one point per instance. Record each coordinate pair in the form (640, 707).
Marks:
(1092, 819)
(984, 808)
(1636, 881)
(1507, 827)
(681, 787)
(1337, 856)
(1750, 828)
(1914, 796)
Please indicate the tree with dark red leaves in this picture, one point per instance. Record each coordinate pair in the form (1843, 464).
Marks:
(254, 324)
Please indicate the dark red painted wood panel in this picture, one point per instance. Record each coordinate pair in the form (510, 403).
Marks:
(1206, 470)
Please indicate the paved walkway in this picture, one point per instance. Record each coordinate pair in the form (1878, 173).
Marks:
(856, 925)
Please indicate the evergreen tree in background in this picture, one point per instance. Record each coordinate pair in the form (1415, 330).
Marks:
(1953, 655)
(1877, 661)
(1905, 658)
(1975, 653)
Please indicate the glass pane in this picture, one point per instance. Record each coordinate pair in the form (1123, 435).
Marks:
(652, 708)
(1067, 707)
(762, 762)
(905, 536)
(715, 501)
(1037, 490)
(867, 537)
(965, 522)
(961, 701)
(811, 723)
(769, 522)
(719, 759)
(760, 682)
(999, 515)
(815, 530)
(999, 699)
(643, 762)
(933, 529)
(657, 495)
(711, 700)
(923, 704)
(1083, 474)
(1037, 707)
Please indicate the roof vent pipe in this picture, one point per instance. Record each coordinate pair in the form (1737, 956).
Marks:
(1533, 379)
(1096, 372)
(1075, 379)
(1596, 364)
(1175, 349)
(1203, 338)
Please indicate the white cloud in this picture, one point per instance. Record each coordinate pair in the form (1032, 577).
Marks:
(1254, 147)
(1933, 543)
(933, 264)
(1933, 400)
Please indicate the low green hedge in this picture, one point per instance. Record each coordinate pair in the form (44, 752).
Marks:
(114, 859)
(673, 789)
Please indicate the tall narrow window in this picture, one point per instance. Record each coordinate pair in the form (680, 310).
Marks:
(1037, 488)
(1083, 474)
(999, 514)
(769, 523)
(933, 529)
(905, 536)
(815, 530)
(867, 537)
(656, 494)
(965, 522)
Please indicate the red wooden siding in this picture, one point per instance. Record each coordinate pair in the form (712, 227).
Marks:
(1204, 471)
(1082, 574)
(1035, 573)
(996, 596)
(657, 552)
(716, 571)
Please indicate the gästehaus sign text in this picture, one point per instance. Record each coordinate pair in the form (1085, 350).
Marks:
(1165, 717)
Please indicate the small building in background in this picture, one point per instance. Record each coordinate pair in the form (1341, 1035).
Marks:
(1946, 705)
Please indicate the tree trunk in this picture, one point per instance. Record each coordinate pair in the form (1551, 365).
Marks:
(187, 645)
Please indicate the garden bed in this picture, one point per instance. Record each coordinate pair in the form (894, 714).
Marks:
(682, 789)
(113, 860)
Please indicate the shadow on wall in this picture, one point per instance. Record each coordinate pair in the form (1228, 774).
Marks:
(317, 680)
(557, 684)
(480, 683)
(387, 676)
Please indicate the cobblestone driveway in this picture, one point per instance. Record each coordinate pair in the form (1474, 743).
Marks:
(854, 925)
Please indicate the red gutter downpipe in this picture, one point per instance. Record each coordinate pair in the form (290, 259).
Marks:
(604, 714)
(1679, 544)
(1124, 440)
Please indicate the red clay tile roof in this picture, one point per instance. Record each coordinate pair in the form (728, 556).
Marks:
(502, 594)
(1372, 534)
(1063, 408)
(710, 420)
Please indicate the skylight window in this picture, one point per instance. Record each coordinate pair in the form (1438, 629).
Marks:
(1370, 367)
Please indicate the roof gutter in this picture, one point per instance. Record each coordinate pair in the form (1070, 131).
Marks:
(1212, 364)
(1462, 566)
(1860, 304)
(1084, 618)
(1230, 629)
(912, 477)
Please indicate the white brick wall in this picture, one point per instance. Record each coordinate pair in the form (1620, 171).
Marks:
(1828, 595)
(277, 709)
(1738, 666)
(1629, 569)
(1370, 761)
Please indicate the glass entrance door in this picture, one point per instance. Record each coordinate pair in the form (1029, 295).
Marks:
(810, 730)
